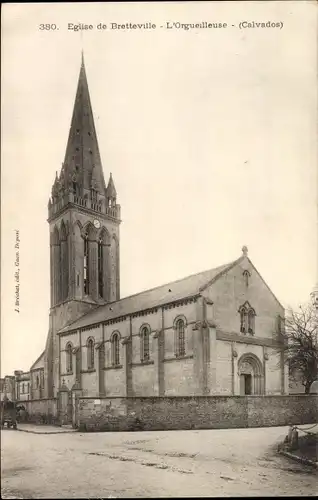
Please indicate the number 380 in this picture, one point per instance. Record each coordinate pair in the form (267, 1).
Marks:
(48, 27)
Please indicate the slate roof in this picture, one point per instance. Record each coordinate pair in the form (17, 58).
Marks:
(155, 297)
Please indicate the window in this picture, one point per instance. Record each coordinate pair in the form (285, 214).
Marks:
(246, 276)
(115, 349)
(22, 392)
(243, 320)
(69, 358)
(144, 344)
(247, 319)
(60, 275)
(37, 382)
(251, 321)
(90, 354)
(180, 332)
(100, 268)
(86, 265)
(280, 325)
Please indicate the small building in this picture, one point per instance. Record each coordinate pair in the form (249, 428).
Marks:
(7, 388)
(23, 385)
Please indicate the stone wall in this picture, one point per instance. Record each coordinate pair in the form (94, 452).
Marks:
(41, 411)
(282, 410)
(211, 412)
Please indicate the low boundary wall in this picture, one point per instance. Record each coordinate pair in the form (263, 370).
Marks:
(42, 411)
(201, 412)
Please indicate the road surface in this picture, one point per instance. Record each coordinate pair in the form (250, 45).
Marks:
(227, 462)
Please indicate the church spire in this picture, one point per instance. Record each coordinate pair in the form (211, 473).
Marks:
(81, 179)
(82, 161)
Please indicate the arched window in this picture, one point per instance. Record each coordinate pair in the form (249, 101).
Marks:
(144, 344)
(247, 318)
(86, 265)
(180, 340)
(251, 321)
(246, 276)
(63, 262)
(60, 275)
(100, 268)
(90, 354)
(115, 349)
(113, 267)
(243, 320)
(69, 358)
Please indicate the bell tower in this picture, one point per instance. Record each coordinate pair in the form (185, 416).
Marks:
(84, 216)
(84, 219)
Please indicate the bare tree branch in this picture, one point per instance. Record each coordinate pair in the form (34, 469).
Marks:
(297, 336)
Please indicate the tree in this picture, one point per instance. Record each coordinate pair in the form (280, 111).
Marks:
(299, 338)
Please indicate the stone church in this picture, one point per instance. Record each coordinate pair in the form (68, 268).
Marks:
(212, 333)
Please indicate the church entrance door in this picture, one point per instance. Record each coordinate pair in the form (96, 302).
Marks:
(251, 373)
(247, 384)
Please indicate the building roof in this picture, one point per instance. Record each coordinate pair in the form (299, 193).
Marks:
(149, 299)
(111, 190)
(38, 359)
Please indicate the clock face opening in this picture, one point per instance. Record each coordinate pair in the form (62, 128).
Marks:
(97, 224)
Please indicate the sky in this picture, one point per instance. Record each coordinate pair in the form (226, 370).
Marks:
(210, 134)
